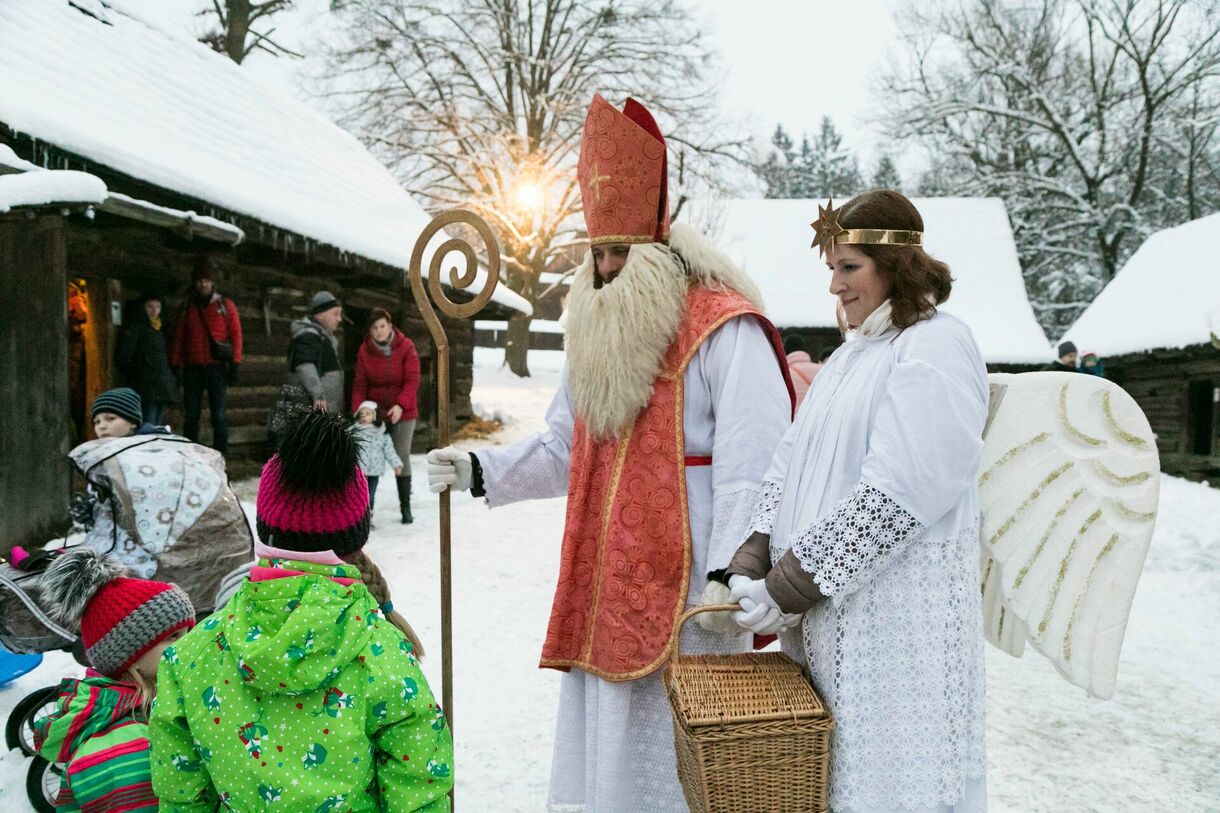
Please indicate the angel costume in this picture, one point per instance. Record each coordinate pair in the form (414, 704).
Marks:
(674, 395)
(871, 496)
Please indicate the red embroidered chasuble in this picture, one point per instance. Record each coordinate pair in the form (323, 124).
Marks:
(625, 564)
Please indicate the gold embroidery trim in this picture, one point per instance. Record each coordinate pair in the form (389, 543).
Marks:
(620, 459)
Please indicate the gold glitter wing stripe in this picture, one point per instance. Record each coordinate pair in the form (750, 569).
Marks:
(1024, 506)
(1067, 423)
(1130, 513)
(1112, 422)
(1050, 529)
(1010, 454)
(1120, 479)
(1067, 638)
(1063, 568)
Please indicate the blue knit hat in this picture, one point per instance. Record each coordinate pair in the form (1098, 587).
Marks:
(124, 402)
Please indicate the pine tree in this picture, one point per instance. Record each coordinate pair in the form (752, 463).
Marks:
(832, 169)
(885, 176)
(776, 170)
(820, 166)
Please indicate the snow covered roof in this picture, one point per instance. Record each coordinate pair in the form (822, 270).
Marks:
(1167, 296)
(174, 113)
(770, 239)
(47, 187)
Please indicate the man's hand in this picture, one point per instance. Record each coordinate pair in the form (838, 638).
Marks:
(394, 414)
(320, 405)
(448, 468)
(759, 611)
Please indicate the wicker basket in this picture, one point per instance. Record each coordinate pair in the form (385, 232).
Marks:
(751, 734)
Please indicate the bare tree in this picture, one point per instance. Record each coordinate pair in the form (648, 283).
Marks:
(480, 103)
(236, 36)
(1071, 110)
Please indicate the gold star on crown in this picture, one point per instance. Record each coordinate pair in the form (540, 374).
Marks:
(826, 228)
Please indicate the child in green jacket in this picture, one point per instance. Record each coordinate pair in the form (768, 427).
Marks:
(99, 729)
(302, 694)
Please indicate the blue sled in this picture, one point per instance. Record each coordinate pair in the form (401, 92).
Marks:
(14, 666)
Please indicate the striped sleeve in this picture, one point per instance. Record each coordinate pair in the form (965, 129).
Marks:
(112, 775)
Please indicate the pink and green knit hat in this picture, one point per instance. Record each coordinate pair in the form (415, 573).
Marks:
(312, 496)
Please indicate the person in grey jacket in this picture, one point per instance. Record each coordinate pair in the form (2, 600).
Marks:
(313, 355)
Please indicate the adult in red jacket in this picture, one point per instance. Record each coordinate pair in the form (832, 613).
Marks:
(387, 371)
(206, 350)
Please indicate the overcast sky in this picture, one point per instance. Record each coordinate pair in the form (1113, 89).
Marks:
(793, 61)
(789, 61)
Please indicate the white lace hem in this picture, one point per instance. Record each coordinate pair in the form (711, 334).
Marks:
(763, 518)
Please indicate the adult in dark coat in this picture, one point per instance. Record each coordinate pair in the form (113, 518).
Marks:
(143, 360)
(1066, 362)
(387, 371)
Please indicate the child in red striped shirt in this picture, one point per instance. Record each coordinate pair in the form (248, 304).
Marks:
(99, 729)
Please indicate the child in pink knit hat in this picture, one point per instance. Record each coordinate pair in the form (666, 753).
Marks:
(305, 689)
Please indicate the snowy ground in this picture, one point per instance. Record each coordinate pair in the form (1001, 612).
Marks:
(1154, 746)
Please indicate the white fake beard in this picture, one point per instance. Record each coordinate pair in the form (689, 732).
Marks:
(617, 335)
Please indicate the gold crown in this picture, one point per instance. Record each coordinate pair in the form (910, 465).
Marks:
(827, 232)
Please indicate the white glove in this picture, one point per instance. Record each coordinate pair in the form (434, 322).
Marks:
(721, 622)
(759, 611)
(448, 468)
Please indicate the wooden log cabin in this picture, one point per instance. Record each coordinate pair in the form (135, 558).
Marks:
(1156, 327)
(127, 154)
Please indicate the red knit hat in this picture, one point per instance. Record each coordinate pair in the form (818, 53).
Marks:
(119, 618)
(312, 495)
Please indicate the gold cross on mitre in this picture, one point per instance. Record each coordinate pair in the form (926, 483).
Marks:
(826, 228)
(595, 181)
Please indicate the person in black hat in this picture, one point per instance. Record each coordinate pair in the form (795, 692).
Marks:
(313, 355)
(1066, 362)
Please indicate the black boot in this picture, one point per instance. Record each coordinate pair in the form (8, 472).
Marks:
(404, 498)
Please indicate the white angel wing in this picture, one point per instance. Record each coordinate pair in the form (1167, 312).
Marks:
(1068, 485)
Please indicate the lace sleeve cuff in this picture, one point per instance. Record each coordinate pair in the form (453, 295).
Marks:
(763, 519)
(847, 547)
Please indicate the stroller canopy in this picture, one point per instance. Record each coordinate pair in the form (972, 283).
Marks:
(166, 509)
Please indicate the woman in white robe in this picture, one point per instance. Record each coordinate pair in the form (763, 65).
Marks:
(866, 531)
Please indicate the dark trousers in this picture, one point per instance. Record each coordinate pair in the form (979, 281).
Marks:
(154, 413)
(196, 379)
(372, 489)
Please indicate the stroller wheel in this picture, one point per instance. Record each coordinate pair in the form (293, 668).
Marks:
(42, 784)
(19, 730)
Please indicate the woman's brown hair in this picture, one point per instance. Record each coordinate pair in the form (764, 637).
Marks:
(917, 282)
(371, 576)
(375, 316)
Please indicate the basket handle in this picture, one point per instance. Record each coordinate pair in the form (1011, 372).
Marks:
(674, 645)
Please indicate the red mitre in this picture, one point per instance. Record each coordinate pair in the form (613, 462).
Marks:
(623, 175)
